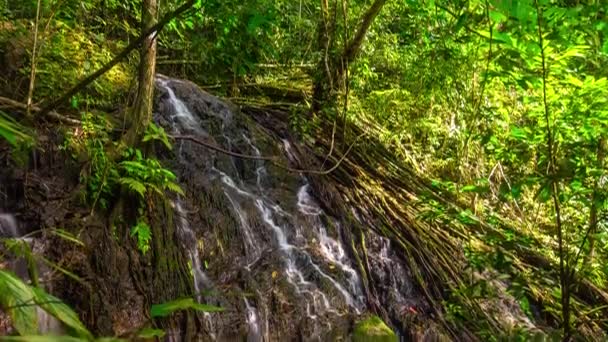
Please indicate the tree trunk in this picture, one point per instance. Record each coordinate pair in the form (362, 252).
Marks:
(332, 67)
(142, 110)
(594, 205)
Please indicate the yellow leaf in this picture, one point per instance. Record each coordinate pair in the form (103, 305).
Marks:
(275, 274)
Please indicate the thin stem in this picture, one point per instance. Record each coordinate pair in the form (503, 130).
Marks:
(30, 91)
(269, 159)
(563, 274)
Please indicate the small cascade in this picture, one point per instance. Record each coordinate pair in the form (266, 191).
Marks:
(232, 191)
(260, 170)
(181, 114)
(189, 240)
(289, 150)
(182, 120)
(9, 229)
(331, 249)
(254, 333)
(8, 226)
(284, 250)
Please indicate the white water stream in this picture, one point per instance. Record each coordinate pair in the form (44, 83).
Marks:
(296, 235)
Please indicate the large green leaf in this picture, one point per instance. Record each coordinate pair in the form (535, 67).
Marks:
(151, 333)
(12, 131)
(17, 299)
(62, 312)
(166, 309)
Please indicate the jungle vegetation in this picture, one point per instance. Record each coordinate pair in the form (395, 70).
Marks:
(500, 106)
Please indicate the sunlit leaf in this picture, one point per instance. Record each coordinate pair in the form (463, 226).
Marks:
(55, 307)
(151, 333)
(166, 309)
(17, 299)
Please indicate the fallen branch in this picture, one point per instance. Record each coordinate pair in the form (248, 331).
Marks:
(51, 114)
(135, 44)
(272, 160)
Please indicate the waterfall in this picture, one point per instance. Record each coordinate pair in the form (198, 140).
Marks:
(9, 229)
(254, 334)
(278, 223)
(189, 240)
(8, 226)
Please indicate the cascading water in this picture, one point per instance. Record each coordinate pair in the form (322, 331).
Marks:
(9, 229)
(183, 120)
(188, 237)
(8, 226)
(273, 241)
(254, 334)
(331, 249)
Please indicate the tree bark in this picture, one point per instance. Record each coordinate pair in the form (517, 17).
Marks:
(124, 53)
(142, 110)
(593, 215)
(332, 67)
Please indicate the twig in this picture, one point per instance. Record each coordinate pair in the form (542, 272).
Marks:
(52, 114)
(269, 159)
(477, 103)
(333, 135)
(30, 91)
(563, 274)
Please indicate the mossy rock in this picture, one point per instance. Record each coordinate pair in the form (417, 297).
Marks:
(373, 329)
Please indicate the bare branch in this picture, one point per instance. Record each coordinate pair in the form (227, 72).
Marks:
(272, 160)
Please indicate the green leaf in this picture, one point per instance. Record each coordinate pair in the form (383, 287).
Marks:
(134, 185)
(151, 333)
(497, 16)
(67, 236)
(518, 133)
(144, 235)
(74, 102)
(166, 309)
(544, 194)
(174, 187)
(17, 299)
(55, 307)
(7, 135)
(468, 188)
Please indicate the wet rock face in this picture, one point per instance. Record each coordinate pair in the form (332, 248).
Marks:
(259, 242)
(265, 249)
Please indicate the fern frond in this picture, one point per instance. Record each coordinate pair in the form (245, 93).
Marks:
(134, 185)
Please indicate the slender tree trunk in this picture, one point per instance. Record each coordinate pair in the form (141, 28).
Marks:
(332, 67)
(142, 110)
(594, 205)
(30, 92)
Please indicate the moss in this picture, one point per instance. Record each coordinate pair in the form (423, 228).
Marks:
(67, 55)
(373, 329)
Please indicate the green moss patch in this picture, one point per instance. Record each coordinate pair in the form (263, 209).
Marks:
(373, 329)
